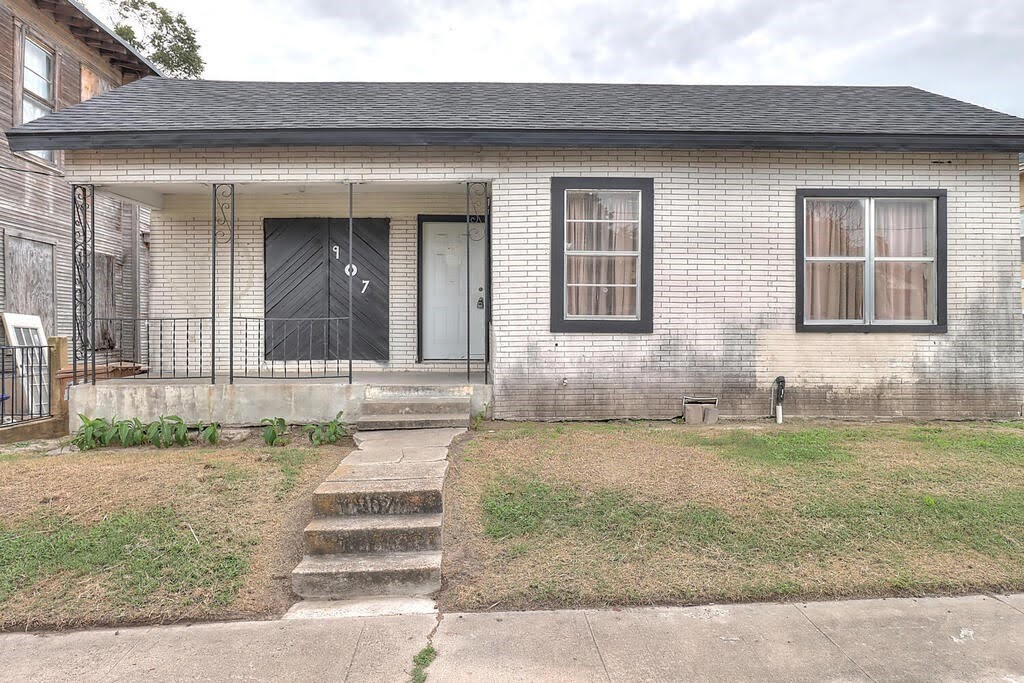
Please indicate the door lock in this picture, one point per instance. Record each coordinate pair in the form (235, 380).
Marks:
(480, 302)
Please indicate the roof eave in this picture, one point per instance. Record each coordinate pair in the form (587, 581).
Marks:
(22, 140)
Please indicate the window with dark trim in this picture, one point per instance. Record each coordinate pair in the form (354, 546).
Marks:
(870, 260)
(602, 257)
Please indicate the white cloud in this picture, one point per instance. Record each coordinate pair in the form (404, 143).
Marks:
(973, 51)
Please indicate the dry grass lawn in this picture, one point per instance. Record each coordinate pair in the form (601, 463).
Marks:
(142, 535)
(570, 515)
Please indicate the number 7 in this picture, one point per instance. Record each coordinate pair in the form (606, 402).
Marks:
(366, 283)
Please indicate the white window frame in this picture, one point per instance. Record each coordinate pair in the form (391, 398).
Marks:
(590, 252)
(869, 259)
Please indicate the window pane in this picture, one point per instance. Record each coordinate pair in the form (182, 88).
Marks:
(904, 227)
(605, 205)
(601, 301)
(38, 86)
(834, 291)
(603, 270)
(31, 111)
(904, 291)
(834, 227)
(602, 237)
(37, 59)
(38, 71)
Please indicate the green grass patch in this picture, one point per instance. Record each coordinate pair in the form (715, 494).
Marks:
(291, 462)
(135, 555)
(789, 447)
(524, 507)
(421, 660)
(1005, 446)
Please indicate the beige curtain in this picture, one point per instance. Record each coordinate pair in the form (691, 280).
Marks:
(596, 274)
(904, 289)
(834, 290)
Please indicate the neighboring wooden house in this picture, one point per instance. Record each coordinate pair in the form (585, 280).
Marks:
(54, 54)
(559, 251)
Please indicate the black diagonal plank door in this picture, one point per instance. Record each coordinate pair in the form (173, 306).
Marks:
(296, 277)
(306, 288)
(369, 287)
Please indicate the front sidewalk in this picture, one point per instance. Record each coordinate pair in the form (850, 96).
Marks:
(965, 638)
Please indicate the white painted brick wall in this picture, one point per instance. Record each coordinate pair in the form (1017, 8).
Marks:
(724, 276)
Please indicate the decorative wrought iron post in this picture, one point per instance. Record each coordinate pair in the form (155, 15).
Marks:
(83, 281)
(477, 210)
(350, 270)
(213, 288)
(224, 215)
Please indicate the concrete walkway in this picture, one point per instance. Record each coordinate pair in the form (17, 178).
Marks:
(974, 638)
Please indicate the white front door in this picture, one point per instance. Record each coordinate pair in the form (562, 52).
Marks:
(443, 307)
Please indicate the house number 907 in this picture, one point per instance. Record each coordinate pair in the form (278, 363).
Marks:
(350, 269)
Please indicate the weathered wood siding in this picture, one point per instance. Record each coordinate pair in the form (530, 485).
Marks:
(35, 198)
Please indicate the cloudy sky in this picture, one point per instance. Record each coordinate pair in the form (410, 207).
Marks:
(969, 50)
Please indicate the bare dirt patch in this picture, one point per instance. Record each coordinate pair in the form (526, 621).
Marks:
(571, 515)
(145, 535)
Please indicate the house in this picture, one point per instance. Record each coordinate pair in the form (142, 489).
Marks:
(557, 251)
(54, 54)
(1022, 229)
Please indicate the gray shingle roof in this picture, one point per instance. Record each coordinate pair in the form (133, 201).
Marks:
(555, 110)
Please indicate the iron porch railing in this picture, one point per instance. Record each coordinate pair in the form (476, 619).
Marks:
(24, 384)
(168, 348)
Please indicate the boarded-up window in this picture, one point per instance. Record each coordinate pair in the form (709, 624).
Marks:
(29, 278)
(93, 84)
(107, 325)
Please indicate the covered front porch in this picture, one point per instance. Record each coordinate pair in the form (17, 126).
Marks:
(302, 295)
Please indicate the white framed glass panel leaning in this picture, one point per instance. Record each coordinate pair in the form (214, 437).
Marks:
(871, 262)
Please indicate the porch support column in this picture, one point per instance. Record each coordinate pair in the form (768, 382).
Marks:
(224, 215)
(83, 281)
(213, 287)
(477, 222)
(350, 270)
(469, 291)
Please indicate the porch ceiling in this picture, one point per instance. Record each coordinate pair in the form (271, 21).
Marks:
(153, 194)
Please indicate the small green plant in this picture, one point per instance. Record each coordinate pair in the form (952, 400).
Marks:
(421, 660)
(92, 432)
(274, 430)
(209, 433)
(167, 431)
(478, 419)
(130, 432)
(327, 432)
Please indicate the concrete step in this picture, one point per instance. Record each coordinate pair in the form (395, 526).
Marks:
(407, 391)
(337, 577)
(373, 533)
(423, 421)
(386, 497)
(419, 405)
